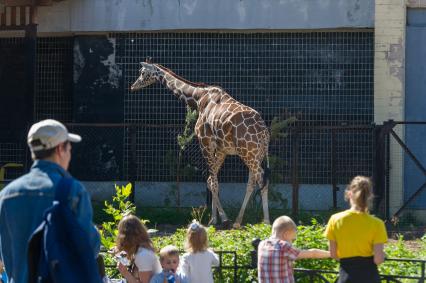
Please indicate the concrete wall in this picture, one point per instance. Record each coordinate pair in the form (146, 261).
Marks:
(158, 194)
(389, 80)
(145, 15)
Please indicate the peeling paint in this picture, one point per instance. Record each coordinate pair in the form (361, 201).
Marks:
(131, 15)
(395, 52)
(397, 72)
(149, 4)
(396, 55)
(242, 12)
(354, 11)
(79, 62)
(189, 6)
(114, 73)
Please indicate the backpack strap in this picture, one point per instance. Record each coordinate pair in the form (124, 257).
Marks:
(63, 189)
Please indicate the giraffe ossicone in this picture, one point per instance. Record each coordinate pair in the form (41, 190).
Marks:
(224, 127)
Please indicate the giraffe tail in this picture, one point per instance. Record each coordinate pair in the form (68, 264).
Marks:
(266, 173)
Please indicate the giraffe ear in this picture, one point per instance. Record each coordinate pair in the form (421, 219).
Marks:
(148, 60)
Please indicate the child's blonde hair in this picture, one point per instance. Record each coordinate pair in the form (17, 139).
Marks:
(361, 190)
(283, 224)
(168, 251)
(132, 234)
(196, 238)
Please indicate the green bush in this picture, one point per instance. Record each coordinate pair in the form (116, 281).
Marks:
(240, 241)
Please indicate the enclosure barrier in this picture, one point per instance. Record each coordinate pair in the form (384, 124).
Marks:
(311, 154)
(382, 177)
(303, 274)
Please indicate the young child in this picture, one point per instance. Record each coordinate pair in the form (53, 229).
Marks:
(198, 261)
(357, 238)
(133, 239)
(277, 254)
(169, 259)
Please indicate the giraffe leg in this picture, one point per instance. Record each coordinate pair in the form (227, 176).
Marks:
(215, 161)
(250, 187)
(214, 188)
(264, 194)
(213, 219)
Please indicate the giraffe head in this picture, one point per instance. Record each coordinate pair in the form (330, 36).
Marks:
(148, 76)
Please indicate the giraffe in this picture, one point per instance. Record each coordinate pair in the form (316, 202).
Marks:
(224, 127)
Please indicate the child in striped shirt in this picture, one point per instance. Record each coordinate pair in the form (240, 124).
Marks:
(277, 254)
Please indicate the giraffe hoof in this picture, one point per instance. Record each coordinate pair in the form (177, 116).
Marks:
(236, 226)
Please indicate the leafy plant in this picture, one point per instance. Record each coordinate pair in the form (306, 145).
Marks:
(309, 236)
(184, 140)
(188, 134)
(199, 213)
(120, 207)
(278, 125)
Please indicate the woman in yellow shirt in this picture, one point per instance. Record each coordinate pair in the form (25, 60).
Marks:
(356, 238)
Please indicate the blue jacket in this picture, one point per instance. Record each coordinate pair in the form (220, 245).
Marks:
(22, 205)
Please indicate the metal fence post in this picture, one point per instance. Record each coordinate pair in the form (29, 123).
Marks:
(334, 168)
(133, 163)
(295, 173)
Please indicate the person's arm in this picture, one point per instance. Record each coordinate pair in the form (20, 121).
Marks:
(84, 212)
(313, 253)
(379, 254)
(145, 276)
(215, 258)
(126, 273)
(332, 247)
(381, 237)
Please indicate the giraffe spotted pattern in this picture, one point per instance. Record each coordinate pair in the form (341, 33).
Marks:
(224, 127)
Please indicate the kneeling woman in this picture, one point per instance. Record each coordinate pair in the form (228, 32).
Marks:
(356, 238)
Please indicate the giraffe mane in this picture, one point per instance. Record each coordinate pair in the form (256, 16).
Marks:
(180, 78)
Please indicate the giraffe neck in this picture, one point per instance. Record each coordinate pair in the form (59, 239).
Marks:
(181, 88)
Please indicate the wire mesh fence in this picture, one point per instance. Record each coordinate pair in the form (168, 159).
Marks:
(324, 78)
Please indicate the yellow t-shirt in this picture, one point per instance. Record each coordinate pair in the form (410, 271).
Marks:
(355, 233)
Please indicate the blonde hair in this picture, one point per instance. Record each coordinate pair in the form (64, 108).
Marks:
(361, 192)
(132, 234)
(169, 250)
(282, 224)
(196, 238)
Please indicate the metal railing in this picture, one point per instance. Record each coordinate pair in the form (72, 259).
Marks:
(234, 267)
(233, 272)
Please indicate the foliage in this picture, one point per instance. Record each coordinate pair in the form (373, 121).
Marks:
(278, 125)
(277, 164)
(188, 134)
(120, 207)
(309, 236)
(199, 213)
(399, 250)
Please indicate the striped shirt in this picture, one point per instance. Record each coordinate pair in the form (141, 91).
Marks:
(275, 261)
